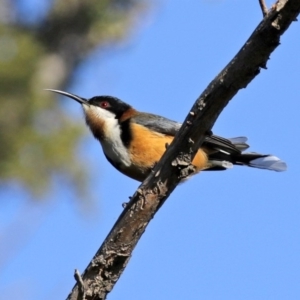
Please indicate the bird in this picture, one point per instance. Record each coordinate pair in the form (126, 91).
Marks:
(133, 141)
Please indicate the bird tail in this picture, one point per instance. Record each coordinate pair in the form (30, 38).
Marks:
(261, 161)
(224, 159)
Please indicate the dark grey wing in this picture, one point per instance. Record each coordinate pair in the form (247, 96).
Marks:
(169, 127)
(229, 146)
(157, 123)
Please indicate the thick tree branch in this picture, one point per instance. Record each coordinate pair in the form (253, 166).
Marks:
(109, 262)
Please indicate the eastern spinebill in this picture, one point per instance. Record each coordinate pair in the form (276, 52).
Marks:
(133, 142)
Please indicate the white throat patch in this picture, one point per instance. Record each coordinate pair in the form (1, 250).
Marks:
(112, 144)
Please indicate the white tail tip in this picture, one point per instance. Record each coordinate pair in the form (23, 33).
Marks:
(269, 162)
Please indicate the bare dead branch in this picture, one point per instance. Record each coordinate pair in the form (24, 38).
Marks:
(263, 7)
(111, 259)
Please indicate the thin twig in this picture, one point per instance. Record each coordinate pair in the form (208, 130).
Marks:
(80, 283)
(263, 7)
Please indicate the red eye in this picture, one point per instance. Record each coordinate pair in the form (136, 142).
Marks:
(104, 104)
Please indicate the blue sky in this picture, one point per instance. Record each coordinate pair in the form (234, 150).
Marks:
(221, 235)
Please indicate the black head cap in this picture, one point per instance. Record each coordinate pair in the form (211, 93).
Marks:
(112, 104)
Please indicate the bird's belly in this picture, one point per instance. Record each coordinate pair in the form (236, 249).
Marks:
(146, 149)
(140, 169)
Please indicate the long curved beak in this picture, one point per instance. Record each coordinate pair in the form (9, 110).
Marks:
(72, 96)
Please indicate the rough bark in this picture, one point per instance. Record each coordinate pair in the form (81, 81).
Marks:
(111, 259)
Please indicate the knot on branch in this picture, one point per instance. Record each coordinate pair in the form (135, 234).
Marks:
(184, 165)
(201, 104)
(106, 267)
(187, 171)
(182, 160)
